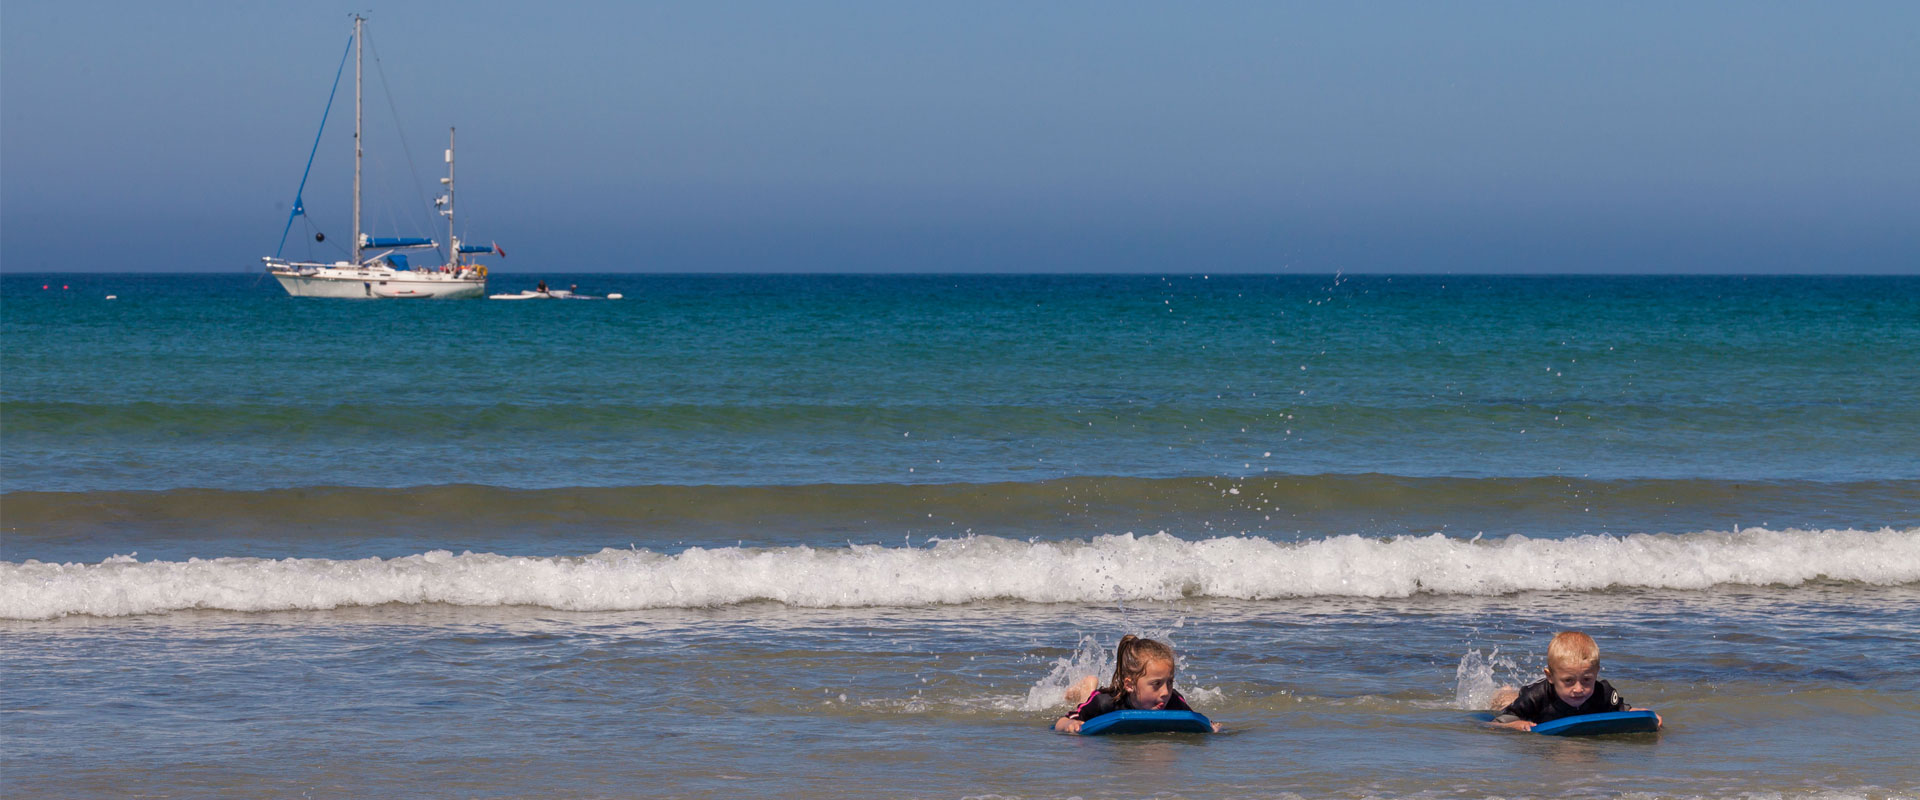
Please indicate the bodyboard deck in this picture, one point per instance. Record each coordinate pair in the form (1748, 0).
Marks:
(1601, 724)
(1147, 722)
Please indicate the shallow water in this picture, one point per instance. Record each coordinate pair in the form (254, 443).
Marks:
(1766, 690)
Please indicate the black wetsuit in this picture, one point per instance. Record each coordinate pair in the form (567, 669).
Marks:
(1538, 703)
(1100, 702)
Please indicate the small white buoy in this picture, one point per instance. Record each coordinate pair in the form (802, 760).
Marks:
(615, 296)
(113, 297)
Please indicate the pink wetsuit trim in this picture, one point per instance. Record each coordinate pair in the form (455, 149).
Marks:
(1083, 704)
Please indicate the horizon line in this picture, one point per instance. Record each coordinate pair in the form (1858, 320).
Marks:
(1074, 273)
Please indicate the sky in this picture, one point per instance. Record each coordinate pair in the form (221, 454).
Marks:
(1261, 137)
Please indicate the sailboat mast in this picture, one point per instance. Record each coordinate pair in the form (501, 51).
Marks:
(358, 39)
(451, 241)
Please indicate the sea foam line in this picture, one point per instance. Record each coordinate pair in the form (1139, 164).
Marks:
(975, 568)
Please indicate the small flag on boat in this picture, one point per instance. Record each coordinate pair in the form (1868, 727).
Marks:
(496, 248)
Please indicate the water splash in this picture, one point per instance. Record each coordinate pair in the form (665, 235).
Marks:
(1479, 676)
(1089, 657)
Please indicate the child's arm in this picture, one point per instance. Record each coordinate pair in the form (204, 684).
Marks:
(1070, 722)
(1518, 714)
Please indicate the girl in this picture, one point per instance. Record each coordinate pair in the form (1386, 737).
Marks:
(1142, 680)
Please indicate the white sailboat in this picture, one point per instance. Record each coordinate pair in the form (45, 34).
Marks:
(385, 274)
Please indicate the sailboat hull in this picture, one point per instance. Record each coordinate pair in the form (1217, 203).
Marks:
(378, 284)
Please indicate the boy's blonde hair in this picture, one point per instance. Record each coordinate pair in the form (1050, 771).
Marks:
(1572, 650)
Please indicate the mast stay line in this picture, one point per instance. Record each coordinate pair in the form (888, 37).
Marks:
(299, 207)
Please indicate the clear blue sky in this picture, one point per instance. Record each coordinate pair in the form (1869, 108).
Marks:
(982, 136)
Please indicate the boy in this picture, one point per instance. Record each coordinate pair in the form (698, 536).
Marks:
(1572, 687)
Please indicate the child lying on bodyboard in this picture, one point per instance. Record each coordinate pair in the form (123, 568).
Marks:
(1572, 688)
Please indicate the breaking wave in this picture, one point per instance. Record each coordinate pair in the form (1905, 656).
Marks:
(1103, 569)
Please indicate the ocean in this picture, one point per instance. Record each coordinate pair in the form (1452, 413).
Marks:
(831, 536)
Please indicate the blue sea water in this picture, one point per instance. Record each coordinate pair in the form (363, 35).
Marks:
(832, 535)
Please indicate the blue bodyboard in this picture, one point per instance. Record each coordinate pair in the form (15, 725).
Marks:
(1147, 722)
(1599, 724)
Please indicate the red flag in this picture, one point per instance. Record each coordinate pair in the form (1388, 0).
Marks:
(496, 249)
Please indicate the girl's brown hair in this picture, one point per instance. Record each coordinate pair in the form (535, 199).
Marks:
(1132, 657)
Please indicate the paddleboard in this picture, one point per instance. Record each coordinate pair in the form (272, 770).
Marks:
(1147, 722)
(1601, 724)
(556, 294)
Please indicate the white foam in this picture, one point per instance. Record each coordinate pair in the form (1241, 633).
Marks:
(1105, 569)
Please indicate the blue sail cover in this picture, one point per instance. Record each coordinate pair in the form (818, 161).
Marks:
(476, 248)
(398, 261)
(395, 241)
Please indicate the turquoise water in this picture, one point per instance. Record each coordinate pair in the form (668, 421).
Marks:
(222, 382)
(830, 535)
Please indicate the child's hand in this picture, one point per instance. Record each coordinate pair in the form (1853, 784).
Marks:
(1067, 725)
(1216, 727)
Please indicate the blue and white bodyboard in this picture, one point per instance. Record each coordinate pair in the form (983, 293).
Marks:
(1600, 724)
(1147, 722)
